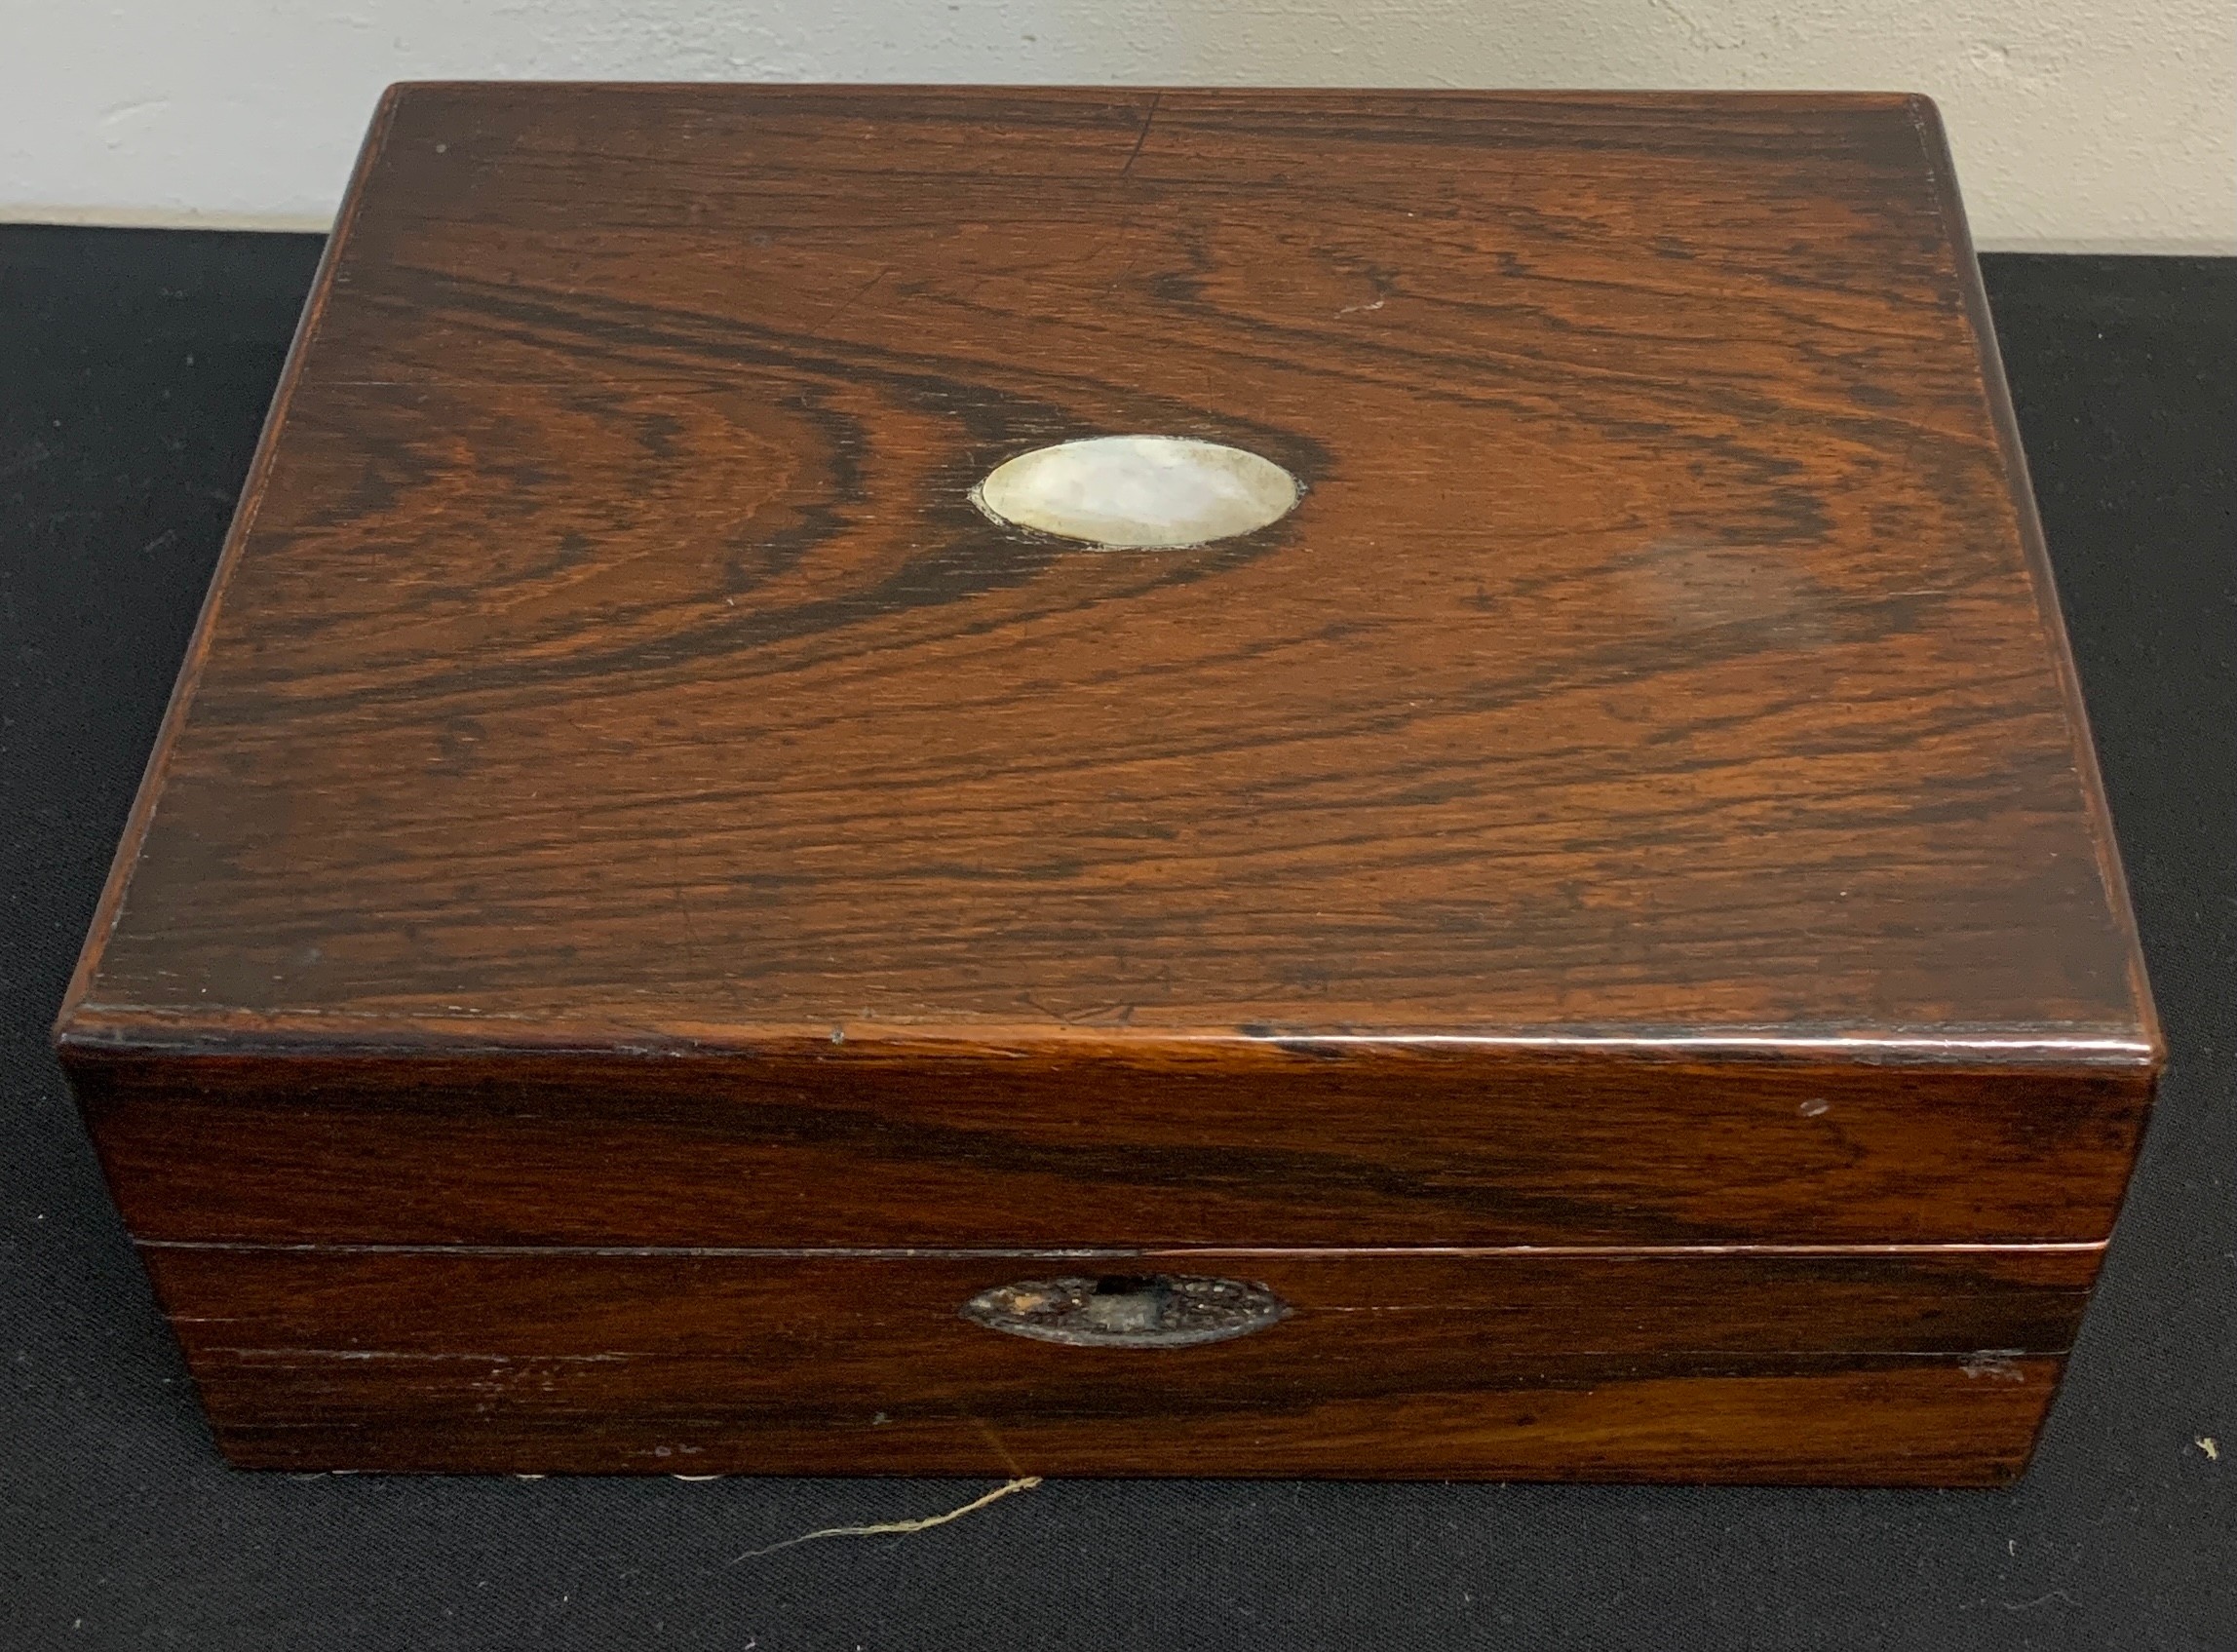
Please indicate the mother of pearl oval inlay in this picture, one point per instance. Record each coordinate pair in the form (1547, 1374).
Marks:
(1138, 492)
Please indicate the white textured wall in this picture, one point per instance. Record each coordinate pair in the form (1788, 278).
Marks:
(2078, 124)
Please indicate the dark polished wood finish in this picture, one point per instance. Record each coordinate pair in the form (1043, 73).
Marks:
(1667, 1367)
(1253, 1144)
(623, 794)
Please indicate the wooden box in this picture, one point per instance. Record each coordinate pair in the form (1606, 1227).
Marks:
(675, 925)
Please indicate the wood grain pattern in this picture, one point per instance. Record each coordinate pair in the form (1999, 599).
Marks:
(614, 640)
(1919, 1367)
(1250, 1143)
(623, 797)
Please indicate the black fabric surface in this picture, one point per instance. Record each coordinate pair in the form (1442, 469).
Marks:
(133, 372)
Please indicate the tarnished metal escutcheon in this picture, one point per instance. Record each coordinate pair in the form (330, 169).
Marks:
(1127, 1310)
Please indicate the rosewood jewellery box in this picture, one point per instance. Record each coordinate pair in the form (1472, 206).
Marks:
(1120, 782)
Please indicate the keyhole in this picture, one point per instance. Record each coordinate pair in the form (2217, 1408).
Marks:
(1121, 1303)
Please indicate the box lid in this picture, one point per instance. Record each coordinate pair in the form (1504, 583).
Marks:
(618, 656)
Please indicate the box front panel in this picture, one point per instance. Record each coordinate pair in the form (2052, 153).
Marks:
(1928, 1369)
(1255, 1143)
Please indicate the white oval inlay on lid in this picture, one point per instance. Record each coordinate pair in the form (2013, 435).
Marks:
(1138, 492)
